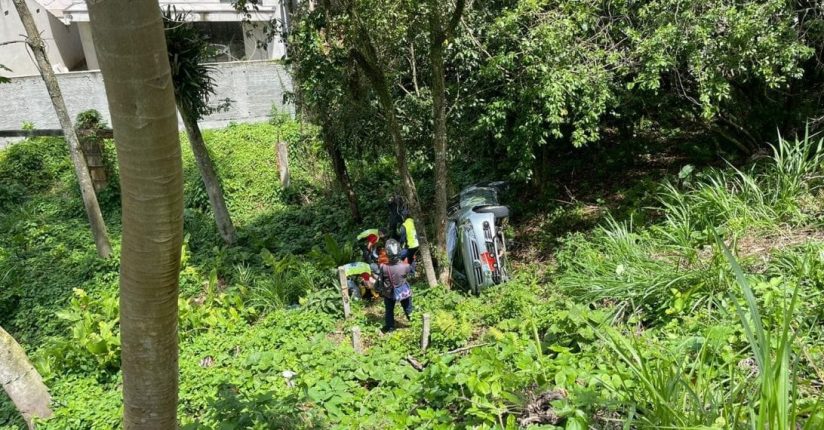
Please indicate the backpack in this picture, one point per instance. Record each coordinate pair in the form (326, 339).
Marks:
(383, 285)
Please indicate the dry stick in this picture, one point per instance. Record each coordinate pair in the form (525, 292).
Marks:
(467, 348)
(356, 340)
(344, 291)
(425, 335)
(812, 363)
(283, 164)
(415, 363)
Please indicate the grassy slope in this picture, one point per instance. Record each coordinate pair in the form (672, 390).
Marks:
(652, 274)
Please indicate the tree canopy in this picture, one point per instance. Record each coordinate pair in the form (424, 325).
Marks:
(526, 76)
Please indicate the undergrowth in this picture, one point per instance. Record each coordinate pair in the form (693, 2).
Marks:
(639, 324)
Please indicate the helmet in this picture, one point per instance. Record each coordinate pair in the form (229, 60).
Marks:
(393, 250)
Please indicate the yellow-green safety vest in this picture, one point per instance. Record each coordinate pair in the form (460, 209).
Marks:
(357, 268)
(411, 234)
(366, 233)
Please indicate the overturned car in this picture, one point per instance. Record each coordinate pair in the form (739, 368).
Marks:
(476, 246)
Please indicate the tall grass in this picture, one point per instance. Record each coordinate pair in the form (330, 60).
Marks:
(684, 391)
(796, 168)
(630, 271)
(661, 268)
(775, 406)
(286, 284)
(678, 389)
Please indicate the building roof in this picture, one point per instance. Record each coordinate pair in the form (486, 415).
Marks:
(200, 10)
(56, 7)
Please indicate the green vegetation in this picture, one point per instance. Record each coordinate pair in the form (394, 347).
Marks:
(527, 78)
(669, 263)
(3, 79)
(643, 319)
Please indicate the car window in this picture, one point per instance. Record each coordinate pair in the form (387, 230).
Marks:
(478, 197)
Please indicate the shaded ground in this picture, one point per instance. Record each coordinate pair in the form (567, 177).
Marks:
(591, 183)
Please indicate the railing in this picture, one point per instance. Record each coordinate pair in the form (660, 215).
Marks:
(104, 133)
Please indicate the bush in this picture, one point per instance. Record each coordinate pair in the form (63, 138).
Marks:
(30, 167)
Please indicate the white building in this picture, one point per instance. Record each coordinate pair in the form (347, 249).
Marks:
(64, 25)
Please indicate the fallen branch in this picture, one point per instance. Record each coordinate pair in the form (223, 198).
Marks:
(467, 348)
(425, 334)
(414, 363)
(539, 409)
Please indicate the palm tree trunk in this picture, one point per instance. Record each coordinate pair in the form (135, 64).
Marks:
(131, 48)
(98, 226)
(21, 381)
(210, 180)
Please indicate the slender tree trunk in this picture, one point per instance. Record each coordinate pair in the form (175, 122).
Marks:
(439, 34)
(368, 61)
(131, 48)
(439, 142)
(409, 187)
(342, 175)
(332, 150)
(98, 226)
(21, 381)
(210, 180)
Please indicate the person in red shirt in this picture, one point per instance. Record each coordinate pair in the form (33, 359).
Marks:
(369, 239)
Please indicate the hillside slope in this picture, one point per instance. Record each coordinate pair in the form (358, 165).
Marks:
(629, 323)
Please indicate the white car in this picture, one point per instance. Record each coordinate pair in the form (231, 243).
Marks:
(476, 246)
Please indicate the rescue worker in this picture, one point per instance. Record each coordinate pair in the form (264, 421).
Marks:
(368, 240)
(360, 280)
(395, 287)
(409, 240)
(396, 206)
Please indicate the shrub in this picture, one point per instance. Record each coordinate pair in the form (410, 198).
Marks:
(30, 167)
(94, 338)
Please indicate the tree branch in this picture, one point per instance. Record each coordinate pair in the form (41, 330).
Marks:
(371, 71)
(415, 363)
(467, 348)
(455, 20)
(12, 42)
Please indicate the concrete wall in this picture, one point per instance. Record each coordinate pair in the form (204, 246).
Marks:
(253, 86)
(62, 41)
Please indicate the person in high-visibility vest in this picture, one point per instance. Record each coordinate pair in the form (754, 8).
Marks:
(368, 241)
(409, 240)
(361, 280)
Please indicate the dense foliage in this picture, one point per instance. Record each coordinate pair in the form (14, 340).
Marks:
(656, 286)
(526, 78)
(644, 320)
(189, 53)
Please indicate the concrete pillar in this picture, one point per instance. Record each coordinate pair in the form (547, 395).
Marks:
(88, 45)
